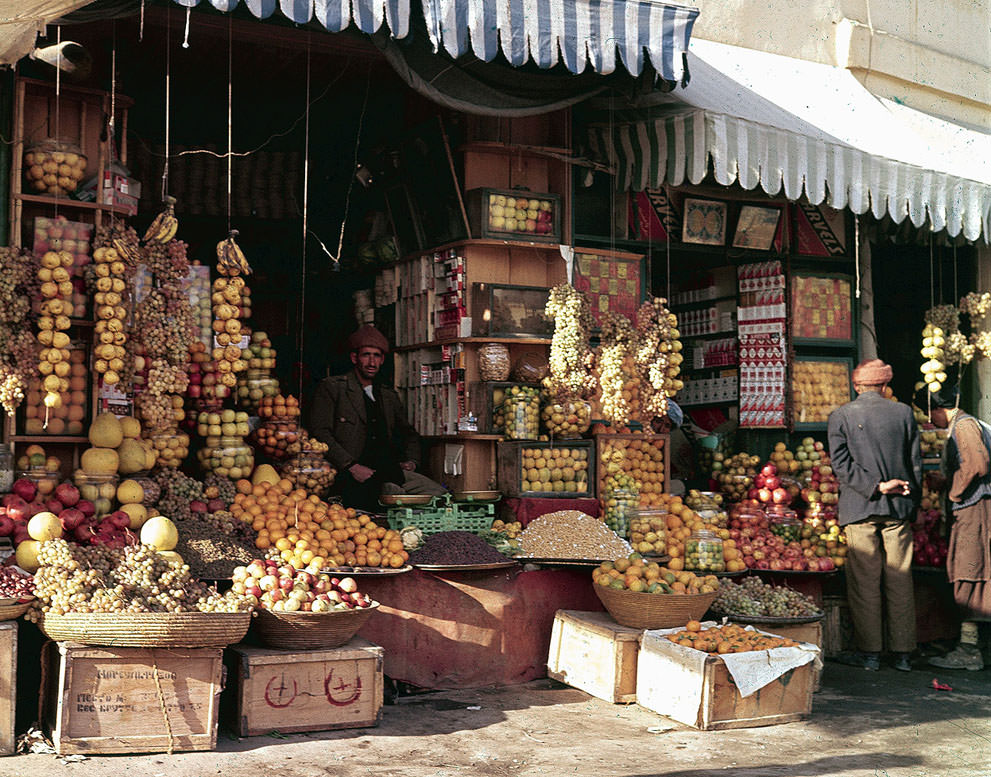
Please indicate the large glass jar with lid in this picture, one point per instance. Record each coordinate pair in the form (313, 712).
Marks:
(785, 523)
(704, 552)
(254, 386)
(649, 531)
(231, 457)
(6, 468)
(619, 508)
(521, 415)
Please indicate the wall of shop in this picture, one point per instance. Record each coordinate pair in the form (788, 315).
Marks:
(932, 55)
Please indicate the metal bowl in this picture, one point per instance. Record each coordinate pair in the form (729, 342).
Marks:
(477, 496)
(404, 500)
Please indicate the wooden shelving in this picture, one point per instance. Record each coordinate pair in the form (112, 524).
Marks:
(65, 202)
(52, 438)
(477, 340)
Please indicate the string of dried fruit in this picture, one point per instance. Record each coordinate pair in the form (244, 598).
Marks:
(19, 351)
(618, 343)
(54, 275)
(571, 358)
(658, 355)
(933, 369)
(110, 271)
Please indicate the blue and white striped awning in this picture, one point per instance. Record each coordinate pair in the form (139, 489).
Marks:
(577, 33)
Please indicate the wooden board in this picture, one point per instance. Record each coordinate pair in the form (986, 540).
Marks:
(670, 683)
(307, 690)
(8, 685)
(593, 653)
(837, 626)
(106, 700)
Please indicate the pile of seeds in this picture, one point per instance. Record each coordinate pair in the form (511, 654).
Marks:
(571, 534)
(209, 551)
(455, 547)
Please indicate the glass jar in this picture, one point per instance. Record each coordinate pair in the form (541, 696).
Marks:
(567, 420)
(6, 468)
(231, 457)
(309, 471)
(619, 509)
(275, 437)
(708, 505)
(101, 490)
(521, 415)
(649, 531)
(53, 167)
(735, 487)
(785, 523)
(493, 362)
(255, 386)
(44, 480)
(704, 552)
(171, 448)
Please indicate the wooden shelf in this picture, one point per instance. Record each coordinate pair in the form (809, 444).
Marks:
(702, 302)
(65, 202)
(478, 241)
(464, 436)
(54, 438)
(707, 335)
(706, 403)
(460, 340)
(497, 147)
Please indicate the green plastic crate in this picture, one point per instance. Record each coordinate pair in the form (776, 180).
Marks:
(442, 516)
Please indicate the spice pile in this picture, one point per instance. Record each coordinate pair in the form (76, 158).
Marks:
(455, 547)
(571, 534)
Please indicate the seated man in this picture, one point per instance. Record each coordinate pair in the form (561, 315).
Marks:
(372, 446)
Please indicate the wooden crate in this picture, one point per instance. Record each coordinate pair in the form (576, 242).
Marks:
(593, 653)
(800, 632)
(670, 683)
(837, 626)
(605, 444)
(107, 700)
(510, 463)
(307, 690)
(8, 685)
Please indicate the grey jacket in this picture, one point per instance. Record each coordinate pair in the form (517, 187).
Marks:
(873, 439)
(338, 418)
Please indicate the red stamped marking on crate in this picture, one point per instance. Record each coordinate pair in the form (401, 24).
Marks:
(337, 691)
(278, 694)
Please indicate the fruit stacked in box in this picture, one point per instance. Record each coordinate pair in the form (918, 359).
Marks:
(635, 461)
(523, 213)
(555, 469)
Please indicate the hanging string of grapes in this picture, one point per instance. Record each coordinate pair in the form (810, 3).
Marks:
(658, 355)
(571, 358)
(19, 350)
(618, 344)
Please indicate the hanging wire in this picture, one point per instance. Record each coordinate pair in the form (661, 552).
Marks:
(141, 23)
(185, 33)
(956, 291)
(58, 110)
(168, 98)
(932, 275)
(112, 122)
(856, 252)
(306, 215)
(230, 116)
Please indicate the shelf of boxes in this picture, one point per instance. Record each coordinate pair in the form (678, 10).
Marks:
(761, 323)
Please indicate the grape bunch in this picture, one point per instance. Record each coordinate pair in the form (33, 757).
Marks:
(571, 358)
(976, 305)
(619, 342)
(945, 317)
(658, 355)
(178, 490)
(217, 487)
(982, 342)
(754, 597)
(19, 350)
(958, 349)
(76, 578)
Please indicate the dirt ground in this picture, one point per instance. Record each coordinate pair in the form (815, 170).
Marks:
(864, 724)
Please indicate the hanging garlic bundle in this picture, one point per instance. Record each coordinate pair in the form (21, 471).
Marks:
(571, 358)
(658, 355)
(618, 344)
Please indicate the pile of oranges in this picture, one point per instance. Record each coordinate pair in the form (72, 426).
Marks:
(309, 533)
(640, 576)
(731, 638)
(681, 521)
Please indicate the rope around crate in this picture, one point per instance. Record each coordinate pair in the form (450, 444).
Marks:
(161, 702)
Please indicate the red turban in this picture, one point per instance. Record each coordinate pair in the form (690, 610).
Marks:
(872, 372)
(368, 337)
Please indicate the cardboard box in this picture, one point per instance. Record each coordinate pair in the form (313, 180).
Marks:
(131, 700)
(307, 690)
(593, 653)
(8, 686)
(669, 683)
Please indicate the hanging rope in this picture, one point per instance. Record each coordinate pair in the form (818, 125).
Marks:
(856, 252)
(58, 113)
(956, 291)
(932, 275)
(230, 116)
(141, 23)
(306, 216)
(168, 99)
(185, 33)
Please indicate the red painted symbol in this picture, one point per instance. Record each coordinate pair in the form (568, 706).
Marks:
(278, 694)
(337, 692)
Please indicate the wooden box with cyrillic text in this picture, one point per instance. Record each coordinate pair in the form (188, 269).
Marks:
(131, 700)
(305, 690)
(593, 653)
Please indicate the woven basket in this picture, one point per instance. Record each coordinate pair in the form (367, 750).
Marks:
(148, 629)
(309, 630)
(653, 611)
(10, 611)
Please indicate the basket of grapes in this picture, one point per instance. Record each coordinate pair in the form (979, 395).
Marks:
(131, 596)
(754, 601)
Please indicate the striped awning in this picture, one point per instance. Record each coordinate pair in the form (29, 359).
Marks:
(810, 130)
(577, 33)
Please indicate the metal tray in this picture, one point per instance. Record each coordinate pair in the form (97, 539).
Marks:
(466, 567)
(773, 620)
(404, 500)
(477, 496)
(366, 571)
(560, 562)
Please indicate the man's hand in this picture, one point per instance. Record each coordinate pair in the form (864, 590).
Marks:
(894, 486)
(407, 466)
(360, 472)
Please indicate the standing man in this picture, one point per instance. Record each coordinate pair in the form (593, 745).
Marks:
(372, 445)
(874, 449)
(966, 467)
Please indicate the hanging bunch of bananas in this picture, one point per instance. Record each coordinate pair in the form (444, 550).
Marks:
(230, 258)
(934, 368)
(125, 241)
(165, 225)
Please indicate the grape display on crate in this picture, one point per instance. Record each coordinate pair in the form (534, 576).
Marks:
(554, 470)
(755, 598)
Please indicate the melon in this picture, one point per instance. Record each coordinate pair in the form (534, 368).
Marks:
(105, 431)
(130, 427)
(151, 457)
(132, 457)
(99, 461)
(160, 533)
(130, 492)
(44, 526)
(171, 555)
(138, 514)
(26, 555)
(265, 473)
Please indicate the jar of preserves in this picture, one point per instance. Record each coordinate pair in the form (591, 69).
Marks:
(493, 362)
(567, 420)
(521, 414)
(101, 490)
(619, 509)
(785, 523)
(255, 386)
(171, 448)
(649, 531)
(704, 552)
(6, 468)
(709, 507)
(276, 436)
(44, 480)
(231, 457)
(309, 471)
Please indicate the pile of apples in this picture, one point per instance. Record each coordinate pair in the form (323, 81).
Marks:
(205, 381)
(284, 588)
(768, 488)
(820, 548)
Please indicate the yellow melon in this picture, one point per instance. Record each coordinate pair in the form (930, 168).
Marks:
(265, 473)
(132, 457)
(26, 555)
(105, 431)
(138, 514)
(171, 555)
(160, 533)
(130, 492)
(130, 427)
(99, 461)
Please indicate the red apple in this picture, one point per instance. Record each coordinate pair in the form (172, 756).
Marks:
(86, 507)
(70, 518)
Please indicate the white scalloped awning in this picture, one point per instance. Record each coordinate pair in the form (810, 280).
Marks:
(575, 32)
(809, 129)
